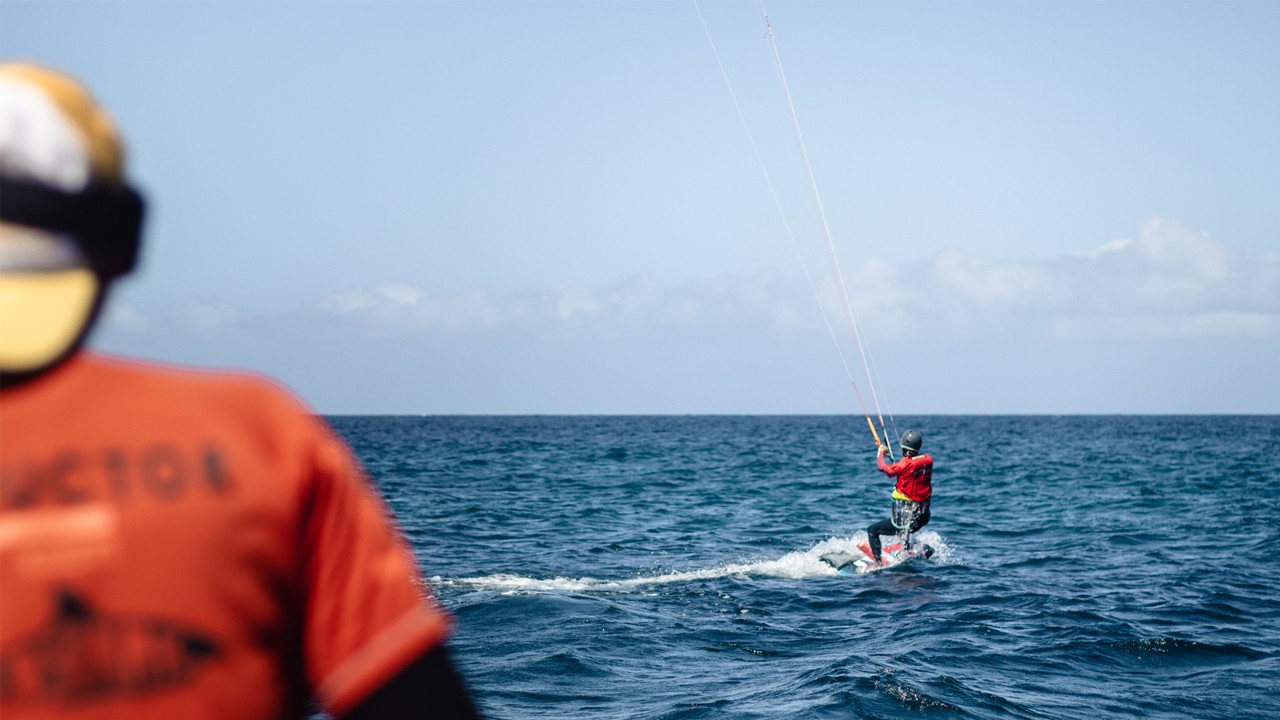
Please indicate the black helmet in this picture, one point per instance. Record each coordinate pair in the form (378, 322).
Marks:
(911, 440)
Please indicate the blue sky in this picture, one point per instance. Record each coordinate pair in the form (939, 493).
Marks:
(547, 207)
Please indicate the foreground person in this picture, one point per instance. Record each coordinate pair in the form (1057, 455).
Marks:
(173, 544)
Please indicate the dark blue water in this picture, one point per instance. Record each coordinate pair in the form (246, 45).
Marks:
(666, 567)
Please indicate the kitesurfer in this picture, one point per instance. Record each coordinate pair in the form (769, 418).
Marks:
(911, 493)
(176, 543)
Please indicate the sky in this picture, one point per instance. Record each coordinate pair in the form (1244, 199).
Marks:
(554, 207)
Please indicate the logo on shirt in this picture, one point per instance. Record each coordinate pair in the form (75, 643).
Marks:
(161, 471)
(80, 655)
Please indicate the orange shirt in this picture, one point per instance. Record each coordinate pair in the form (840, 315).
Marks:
(186, 544)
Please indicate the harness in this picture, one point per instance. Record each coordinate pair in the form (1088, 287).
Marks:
(904, 512)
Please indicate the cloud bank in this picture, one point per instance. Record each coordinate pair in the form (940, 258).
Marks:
(1165, 282)
(1168, 320)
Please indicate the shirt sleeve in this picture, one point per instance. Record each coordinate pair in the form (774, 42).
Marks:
(892, 470)
(367, 612)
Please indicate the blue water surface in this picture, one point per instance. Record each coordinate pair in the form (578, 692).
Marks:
(667, 567)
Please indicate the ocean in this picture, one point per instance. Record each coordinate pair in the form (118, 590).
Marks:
(667, 567)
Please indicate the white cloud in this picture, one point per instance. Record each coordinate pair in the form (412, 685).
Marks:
(124, 319)
(348, 302)
(997, 286)
(1114, 246)
(121, 316)
(633, 303)
(401, 293)
(208, 317)
(1166, 282)
(575, 305)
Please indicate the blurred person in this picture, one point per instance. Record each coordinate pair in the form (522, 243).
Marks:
(173, 543)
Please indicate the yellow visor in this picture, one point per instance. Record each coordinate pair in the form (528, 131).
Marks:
(42, 315)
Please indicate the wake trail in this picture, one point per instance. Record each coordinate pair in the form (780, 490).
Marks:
(798, 565)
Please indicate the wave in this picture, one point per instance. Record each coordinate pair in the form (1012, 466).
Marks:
(798, 565)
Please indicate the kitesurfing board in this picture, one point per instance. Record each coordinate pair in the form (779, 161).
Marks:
(890, 555)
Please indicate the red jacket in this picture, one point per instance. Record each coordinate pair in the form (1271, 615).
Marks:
(914, 474)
